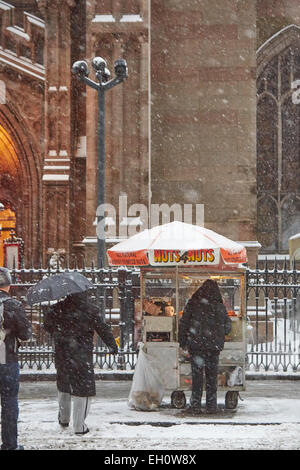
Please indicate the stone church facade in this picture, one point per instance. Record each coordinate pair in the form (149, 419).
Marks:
(206, 116)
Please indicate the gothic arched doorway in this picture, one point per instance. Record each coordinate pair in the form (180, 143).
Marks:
(19, 187)
(9, 176)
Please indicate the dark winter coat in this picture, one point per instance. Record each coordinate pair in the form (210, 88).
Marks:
(15, 321)
(204, 324)
(72, 324)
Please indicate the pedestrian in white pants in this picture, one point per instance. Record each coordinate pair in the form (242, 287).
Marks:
(81, 407)
(72, 323)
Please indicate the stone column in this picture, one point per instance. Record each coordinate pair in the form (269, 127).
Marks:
(57, 152)
(144, 119)
(113, 33)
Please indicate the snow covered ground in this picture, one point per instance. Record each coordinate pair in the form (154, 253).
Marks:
(267, 418)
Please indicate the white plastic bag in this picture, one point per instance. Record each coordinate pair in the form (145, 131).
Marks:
(236, 377)
(147, 388)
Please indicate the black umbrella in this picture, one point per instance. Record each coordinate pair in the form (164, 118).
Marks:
(58, 286)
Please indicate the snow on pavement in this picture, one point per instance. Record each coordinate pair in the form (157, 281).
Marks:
(259, 423)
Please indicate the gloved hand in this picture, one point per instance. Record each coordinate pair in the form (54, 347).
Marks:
(114, 350)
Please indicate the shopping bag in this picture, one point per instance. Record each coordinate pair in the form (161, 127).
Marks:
(147, 388)
(236, 377)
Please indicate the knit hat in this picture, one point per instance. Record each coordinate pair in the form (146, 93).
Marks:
(5, 277)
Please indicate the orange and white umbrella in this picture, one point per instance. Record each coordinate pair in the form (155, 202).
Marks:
(177, 243)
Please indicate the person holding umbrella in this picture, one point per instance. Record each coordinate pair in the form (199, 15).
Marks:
(202, 330)
(72, 323)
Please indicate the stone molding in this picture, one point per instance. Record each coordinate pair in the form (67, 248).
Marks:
(275, 45)
(18, 48)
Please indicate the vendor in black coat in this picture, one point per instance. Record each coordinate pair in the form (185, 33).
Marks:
(202, 331)
(72, 322)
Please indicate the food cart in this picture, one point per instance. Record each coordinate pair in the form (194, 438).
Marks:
(175, 259)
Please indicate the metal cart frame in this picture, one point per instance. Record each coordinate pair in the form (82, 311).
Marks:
(178, 373)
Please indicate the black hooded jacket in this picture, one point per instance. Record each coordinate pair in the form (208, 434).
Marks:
(204, 322)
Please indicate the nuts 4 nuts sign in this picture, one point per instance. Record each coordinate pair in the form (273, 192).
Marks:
(203, 257)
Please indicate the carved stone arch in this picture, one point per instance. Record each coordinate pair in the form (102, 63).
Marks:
(275, 45)
(26, 199)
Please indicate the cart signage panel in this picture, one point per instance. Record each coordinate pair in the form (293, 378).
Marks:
(134, 258)
(204, 257)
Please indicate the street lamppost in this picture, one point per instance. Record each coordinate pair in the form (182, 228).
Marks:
(81, 70)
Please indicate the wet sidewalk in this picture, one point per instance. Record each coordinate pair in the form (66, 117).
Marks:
(268, 417)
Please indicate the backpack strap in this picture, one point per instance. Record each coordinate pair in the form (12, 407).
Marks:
(1, 316)
(2, 332)
(2, 300)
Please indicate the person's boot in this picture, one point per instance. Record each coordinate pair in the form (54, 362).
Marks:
(19, 447)
(212, 411)
(211, 403)
(211, 407)
(193, 410)
(83, 432)
(62, 425)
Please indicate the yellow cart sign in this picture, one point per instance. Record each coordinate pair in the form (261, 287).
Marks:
(201, 257)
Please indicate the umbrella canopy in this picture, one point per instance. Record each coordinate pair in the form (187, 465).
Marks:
(177, 243)
(58, 286)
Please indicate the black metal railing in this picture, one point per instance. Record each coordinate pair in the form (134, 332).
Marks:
(114, 293)
(273, 309)
(273, 316)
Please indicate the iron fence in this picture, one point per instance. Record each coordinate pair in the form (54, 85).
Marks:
(273, 316)
(273, 309)
(114, 292)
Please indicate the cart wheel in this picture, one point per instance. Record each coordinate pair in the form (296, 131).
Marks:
(231, 400)
(178, 399)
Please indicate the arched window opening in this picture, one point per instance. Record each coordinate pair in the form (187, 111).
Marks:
(290, 178)
(290, 213)
(267, 223)
(267, 164)
(9, 188)
(278, 141)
